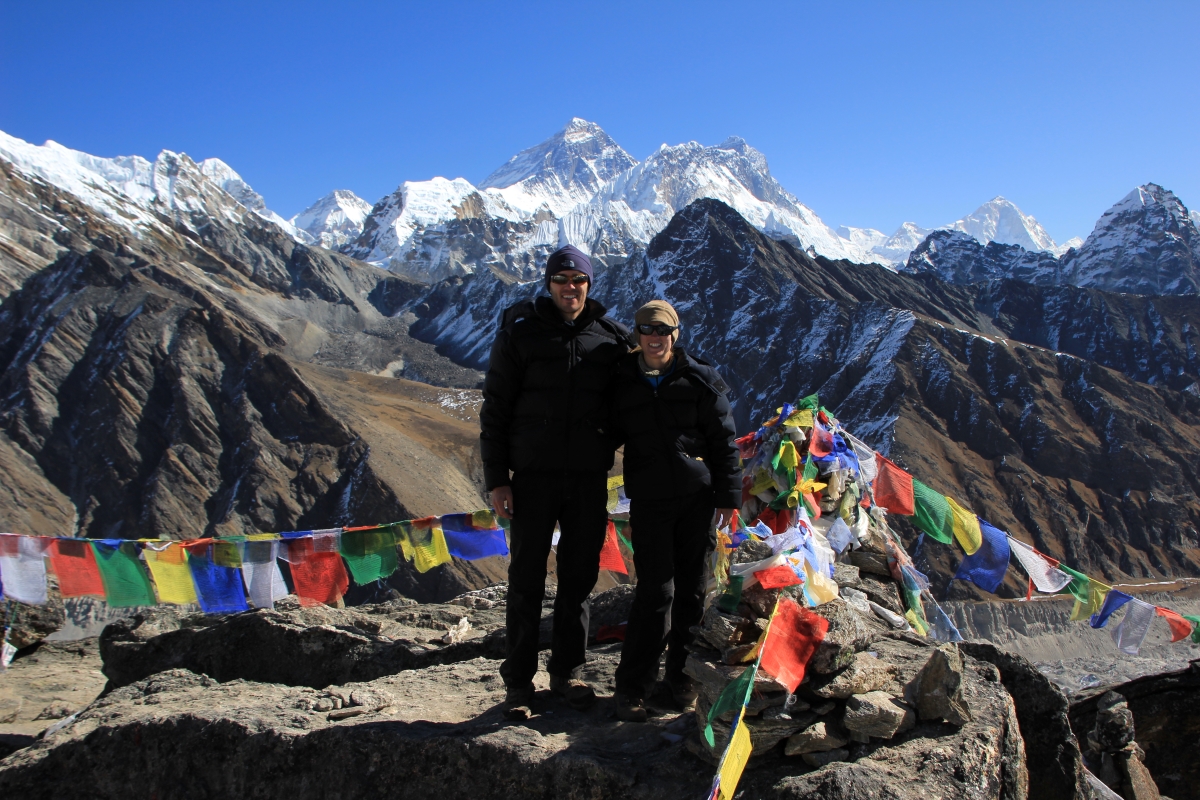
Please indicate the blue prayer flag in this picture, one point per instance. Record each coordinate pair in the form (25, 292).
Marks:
(218, 588)
(986, 566)
(467, 542)
(1112, 601)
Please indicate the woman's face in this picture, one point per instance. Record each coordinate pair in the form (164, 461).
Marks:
(657, 349)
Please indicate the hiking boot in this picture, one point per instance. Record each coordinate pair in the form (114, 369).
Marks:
(629, 709)
(578, 694)
(518, 703)
(683, 693)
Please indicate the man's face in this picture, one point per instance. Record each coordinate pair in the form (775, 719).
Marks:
(569, 296)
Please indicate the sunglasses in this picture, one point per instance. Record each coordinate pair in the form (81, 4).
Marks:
(656, 330)
(562, 280)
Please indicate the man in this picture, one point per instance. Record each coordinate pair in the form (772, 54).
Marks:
(543, 417)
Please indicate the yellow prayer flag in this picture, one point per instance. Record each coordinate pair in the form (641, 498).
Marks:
(800, 419)
(965, 525)
(820, 588)
(915, 621)
(736, 756)
(615, 481)
(484, 519)
(431, 552)
(787, 454)
(762, 482)
(1096, 594)
(172, 576)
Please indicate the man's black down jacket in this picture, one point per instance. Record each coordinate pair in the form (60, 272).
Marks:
(546, 392)
(679, 436)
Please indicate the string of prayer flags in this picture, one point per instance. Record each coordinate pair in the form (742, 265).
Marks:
(868, 469)
(126, 584)
(1046, 577)
(23, 567)
(370, 552)
(792, 639)
(731, 697)
(218, 585)
(318, 575)
(1112, 601)
(75, 565)
(260, 571)
(610, 552)
(893, 488)
(965, 527)
(622, 525)
(1129, 634)
(1079, 585)
(734, 761)
(172, 576)
(427, 543)
(1095, 601)
(986, 566)
(931, 512)
(470, 539)
(1180, 627)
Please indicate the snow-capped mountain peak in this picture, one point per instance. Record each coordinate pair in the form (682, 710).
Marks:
(563, 171)
(334, 220)
(999, 220)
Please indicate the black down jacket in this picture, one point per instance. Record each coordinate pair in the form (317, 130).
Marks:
(679, 436)
(546, 391)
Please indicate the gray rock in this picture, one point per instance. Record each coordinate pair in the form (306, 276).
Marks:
(751, 550)
(819, 760)
(845, 575)
(723, 631)
(872, 563)
(874, 714)
(816, 738)
(713, 678)
(883, 592)
(848, 633)
(866, 673)
(937, 690)
(1114, 727)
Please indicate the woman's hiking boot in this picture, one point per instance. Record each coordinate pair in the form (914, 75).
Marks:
(578, 694)
(683, 693)
(629, 709)
(518, 703)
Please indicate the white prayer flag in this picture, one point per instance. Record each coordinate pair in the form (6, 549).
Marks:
(1129, 635)
(1046, 578)
(23, 567)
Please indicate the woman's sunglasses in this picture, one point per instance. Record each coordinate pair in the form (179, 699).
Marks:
(560, 279)
(656, 330)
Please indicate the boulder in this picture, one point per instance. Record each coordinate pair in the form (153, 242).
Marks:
(871, 563)
(883, 592)
(848, 633)
(875, 714)
(866, 673)
(937, 690)
(820, 759)
(816, 738)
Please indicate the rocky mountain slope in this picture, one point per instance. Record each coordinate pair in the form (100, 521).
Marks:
(1147, 243)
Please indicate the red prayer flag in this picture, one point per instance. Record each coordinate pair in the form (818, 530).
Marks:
(822, 442)
(610, 554)
(75, 565)
(778, 521)
(777, 577)
(747, 445)
(791, 642)
(893, 488)
(319, 577)
(1029, 594)
(1180, 627)
(611, 633)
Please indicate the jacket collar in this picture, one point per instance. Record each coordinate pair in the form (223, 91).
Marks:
(545, 308)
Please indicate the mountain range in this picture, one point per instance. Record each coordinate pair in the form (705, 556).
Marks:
(177, 360)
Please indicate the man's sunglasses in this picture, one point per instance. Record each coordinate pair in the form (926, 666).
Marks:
(656, 330)
(562, 280)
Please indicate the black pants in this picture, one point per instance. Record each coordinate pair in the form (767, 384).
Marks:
(671, 541)
(576, 501)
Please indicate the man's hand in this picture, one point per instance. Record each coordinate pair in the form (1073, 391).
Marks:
(502, 501)
(721, 517)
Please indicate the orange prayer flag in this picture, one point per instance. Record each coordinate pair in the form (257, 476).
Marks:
(777, 577)
(791, 642)
(319, 577)
(610, 554)
(893, 488)
(1180, 627)
(75, 565)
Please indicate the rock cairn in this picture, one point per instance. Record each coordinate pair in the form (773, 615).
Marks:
(1117, 759)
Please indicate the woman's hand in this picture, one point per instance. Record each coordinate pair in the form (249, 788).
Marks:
(502, 501)
(721, 517)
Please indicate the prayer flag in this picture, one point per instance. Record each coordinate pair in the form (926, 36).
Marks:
(792, 639)
(731, 595)
(747, 446)
(1045, 576)
(610, 553)
(822, 442)
(75, 565)
(777, 520)
(931, 512)
(1078, 587)
(840, 536)
(1195, 620)
(986, 566)
(734, 760)
(319, 577)
(23, 567)
(965, 527)
(1131, 632)
(1180, 627)
(260, 572)
(218, 588)
(371, 554)
(1112, 601)
(426, 542)
(941, 627)
(125, 582)
(466, 540)
(812, 402)
(731, 697)
(777, 577)
(867, 468)
(1095, 601)
(172, 576)
(893, 488)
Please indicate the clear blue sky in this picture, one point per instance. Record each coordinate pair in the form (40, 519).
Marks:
(871, 113)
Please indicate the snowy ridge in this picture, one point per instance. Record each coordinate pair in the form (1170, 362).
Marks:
(335, 220)
(998, 220)
(131, 191)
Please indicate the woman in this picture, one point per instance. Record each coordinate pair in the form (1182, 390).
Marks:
(681, 466)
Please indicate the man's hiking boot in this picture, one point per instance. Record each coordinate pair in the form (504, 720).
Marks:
(629, 709)
(683, 693)
(518, 703)
(578, 694)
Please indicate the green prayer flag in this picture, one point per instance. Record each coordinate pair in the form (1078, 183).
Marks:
(732, 697)
(370, 555)
(1078, 587)
(729, 599)
(622, 525)
(125, 581)
(810, 470)
(811, 402)
(931, 512)
(1195, 620)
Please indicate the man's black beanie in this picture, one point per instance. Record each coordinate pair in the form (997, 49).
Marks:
(568, 257)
